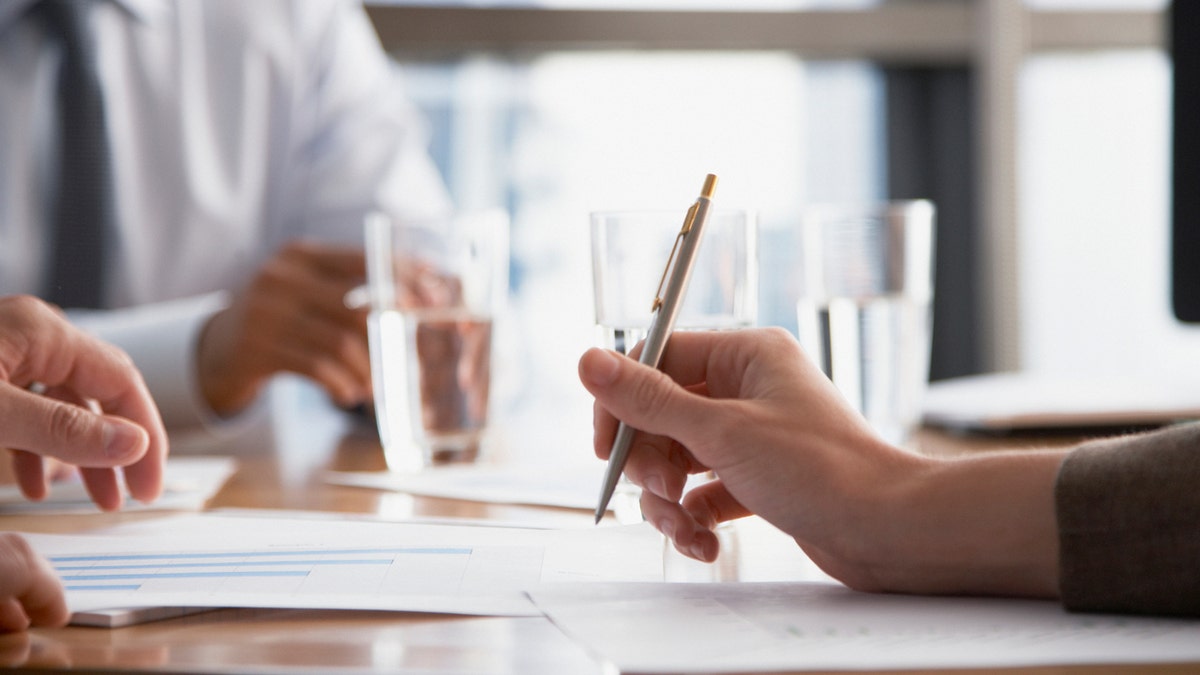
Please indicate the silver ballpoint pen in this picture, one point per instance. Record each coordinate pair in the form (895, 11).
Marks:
(667, 301)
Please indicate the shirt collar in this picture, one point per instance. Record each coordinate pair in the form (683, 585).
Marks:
(143, 10)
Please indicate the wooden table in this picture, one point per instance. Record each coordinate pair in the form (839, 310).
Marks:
(281, 459)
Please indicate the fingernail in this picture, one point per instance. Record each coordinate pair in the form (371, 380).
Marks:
(602, 367)
(656, 487)
(120, 439)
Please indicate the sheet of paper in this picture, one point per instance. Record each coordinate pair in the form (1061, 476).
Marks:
(188, 483)
(764, 627)
(209, 560)
(570, 486)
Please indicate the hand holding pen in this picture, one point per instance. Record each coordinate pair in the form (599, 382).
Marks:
(667, 301)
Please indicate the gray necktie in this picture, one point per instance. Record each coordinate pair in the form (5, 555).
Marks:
(82, 212)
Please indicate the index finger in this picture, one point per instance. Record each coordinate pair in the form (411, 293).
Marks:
(43, 348)
(710, 362)
(129, 398)
(104, 373)
(669, 418)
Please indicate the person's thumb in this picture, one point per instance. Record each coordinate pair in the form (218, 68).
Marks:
(67, 432)
(640, 396)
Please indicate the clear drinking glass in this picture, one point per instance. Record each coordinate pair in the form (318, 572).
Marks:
(435, 290)
(629, 252)
(865, 313)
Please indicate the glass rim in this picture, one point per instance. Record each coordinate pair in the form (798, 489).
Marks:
(656, 212)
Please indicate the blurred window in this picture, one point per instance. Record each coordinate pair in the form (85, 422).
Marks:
(552, 134)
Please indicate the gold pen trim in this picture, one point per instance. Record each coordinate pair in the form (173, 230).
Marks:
(706, 192)
(687, 227)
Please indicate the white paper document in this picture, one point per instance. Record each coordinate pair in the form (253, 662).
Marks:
(188, 483)
(573, 486)
(765, 627)
(203, 560)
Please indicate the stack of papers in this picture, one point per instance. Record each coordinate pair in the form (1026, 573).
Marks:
(206, 560)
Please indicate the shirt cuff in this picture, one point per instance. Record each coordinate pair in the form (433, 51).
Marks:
(162, 338)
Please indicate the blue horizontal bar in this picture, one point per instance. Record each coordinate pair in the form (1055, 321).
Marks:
(182, 575)
(263, 563)
(263, 554)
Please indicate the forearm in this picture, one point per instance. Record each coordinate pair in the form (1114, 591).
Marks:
(983, 524)
(227, 385)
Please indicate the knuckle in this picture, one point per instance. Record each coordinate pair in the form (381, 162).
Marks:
(20, 306)
(122, 358)
(274, 273)
(777, 335)
(327, 372)
(27, 314)
(650, 396)
(16, 548)
(69, 423)
(280, 268)
(348, 346)
(779, 340)
(297, 251)
(28, 305)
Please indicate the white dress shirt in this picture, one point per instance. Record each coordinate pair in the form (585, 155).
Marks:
(236, 126)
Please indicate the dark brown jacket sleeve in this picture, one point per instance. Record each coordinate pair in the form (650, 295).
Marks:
(1128, 513)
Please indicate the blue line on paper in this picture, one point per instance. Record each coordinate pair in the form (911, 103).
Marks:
(260, 554)
(232, 563)
(184, 575)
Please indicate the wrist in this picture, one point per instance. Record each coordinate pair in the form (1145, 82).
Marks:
(862, 536)
(983, 524)
(228, 386)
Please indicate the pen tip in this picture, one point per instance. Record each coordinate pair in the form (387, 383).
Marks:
(710, 186)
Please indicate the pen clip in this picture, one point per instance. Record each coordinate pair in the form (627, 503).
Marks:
(683, 232)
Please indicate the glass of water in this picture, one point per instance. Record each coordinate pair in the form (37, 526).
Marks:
(435, 290)
(865, 312)
(630, 250)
